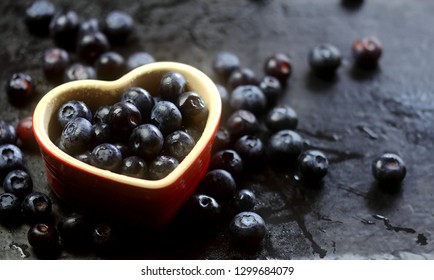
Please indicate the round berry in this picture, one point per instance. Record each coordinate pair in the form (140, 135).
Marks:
(192, 107)
(91, 45)
(100, 133)
(313, 165)
(11, 158)
(118, 26)
(367, 51)
(272, 88)
(219, 184)
(389, 168)
(104, 236)
(172, 85)
(78, 71)
(38, 17)
(138, 59)
(178, 144)
(106, 156)
(242, 122)
(248, 97)
(25, 135)
(285, 146)
(64, 29)
(279, 66)
(166, 116)
(18, 182)
(251, 150)
(123, 118)
(8, 134)
(73, 109)
(324, 59)
(203, 209)
(140, 98)
(102, 114)
(76, 136)
(88, 26)
(134, 166)
(43, 237)
(228, 160)
(37, 207)
(146, 141)
(222, 139)
(74, 230)
(10, 207)
(54, 63)
(244, 200)
(247, 229)
(281, 117)
(224, 63)
(242, 76)
(161, 166)
(110, 66)
(20, 87)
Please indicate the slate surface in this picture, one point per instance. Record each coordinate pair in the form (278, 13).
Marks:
(353, 119)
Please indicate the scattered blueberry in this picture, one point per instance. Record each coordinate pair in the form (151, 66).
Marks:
(389, 169)
(203, 210)
(272, 89)
(313, 165)
(91, 45)
(248, 97)
(242, 76)
(281, 117)
(37, 207)
(11, 158)
(222, 139)
(324, 60)
(8, 134)
(54, 63)
(367, 51)
(64, 29)
(10, 207)
(244, 200)
(38, 17)
(20, 87)
(78, 71)
(285, 146)
(219, 184)
(251, 150)
(88, 26)
(279, 65)
(18, 182)
(118, 26)
(25, 135)
(104, 237)
(110, 66)
(242, 122)
(228, 160)
(224, 63)
(138, 59)
(247, 229)
(43, 238)
(74, 230)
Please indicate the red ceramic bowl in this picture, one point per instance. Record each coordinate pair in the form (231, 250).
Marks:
(147, 203)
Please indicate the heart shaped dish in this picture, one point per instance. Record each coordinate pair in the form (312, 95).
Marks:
(148, 203)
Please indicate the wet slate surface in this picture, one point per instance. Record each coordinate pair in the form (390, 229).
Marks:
(353, 119)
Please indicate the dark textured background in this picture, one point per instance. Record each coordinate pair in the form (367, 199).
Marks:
(353, 119)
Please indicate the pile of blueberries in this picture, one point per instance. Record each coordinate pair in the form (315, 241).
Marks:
(256, 131)
(143, 135)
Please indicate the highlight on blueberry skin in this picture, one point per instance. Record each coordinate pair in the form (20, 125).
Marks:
(247, 229)
(389, 169)
(313, 165)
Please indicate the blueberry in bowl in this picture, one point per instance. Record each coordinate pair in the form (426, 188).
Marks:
(152, 201)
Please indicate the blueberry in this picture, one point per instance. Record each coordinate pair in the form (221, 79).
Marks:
(251, 150)
(178, 144)
(54, 63)
(64, 29)
(10, 207)
(110, 66)
(38, 17)
(219, 184)
(104, 237)
(313, 165)
(18, 182)
(88, 26)
(26, 137)
(389, 169)
(171, 86)
(20, 87)
(203, 210)
(242, 122)
(101, 114)
(248, 97)
(8, 134)
(73, 109)
(244, 200)
(106, 156)
(134, 166)
(76, 136)
(91, 45)
(43, 238)
(166, 116)
(242, 76)
(285, 146)
(161, 166)
(84, 157)
(324, 60)
(192, 107)
(125, 150)
(123, 118)
(278, 65)
(222, 139)
(272, 88)
(195, 131)
(78, 71)
(138, 59)
(118, 26)
(224, 63)
(37, 207)
(146, 141)
(140, 98)
(101, 133)
(367, 51)
(247, 229)
(11, 158)
(281, 117)
(228, 160)
(74, 230)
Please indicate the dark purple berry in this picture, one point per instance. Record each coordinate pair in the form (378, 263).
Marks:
(11, 158)
(125, 150)
(192, 107)
(203, 210)
(10, 207)
(247, 229)
(106, 156)
(18, 182)
(20, 87)
(367, 51)
(102, 114)
(242, 76)
(91, 45)
(43, 238)
(138, 59)
(37, 207)
(313, 165)
(324, 60)
(25, 135)
(278, 65)
(146, 141)
(178, 144)
(222, 139)
(272, 88)
(244, 200)
(8, 134)
(74, 230)
(88, 26)
(104, 237)
(248, 97)
(161, 166)
(76, 136)
(251, 150)
(389, 169)
(166, 116)
(73, 109)
(228, 160)
(285, 146)
(242, 122)
(123, 118)
(172, 85)
(281, 117)
(134, 166)
(224, 63)
(78, 71)
(54, 63)
(38, 17)
(219, 184)
(64, 29)
(141, 98)
(110, 66)
(118, 26)
(101, 133)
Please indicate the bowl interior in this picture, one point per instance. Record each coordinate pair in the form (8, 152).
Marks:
(96, 93)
